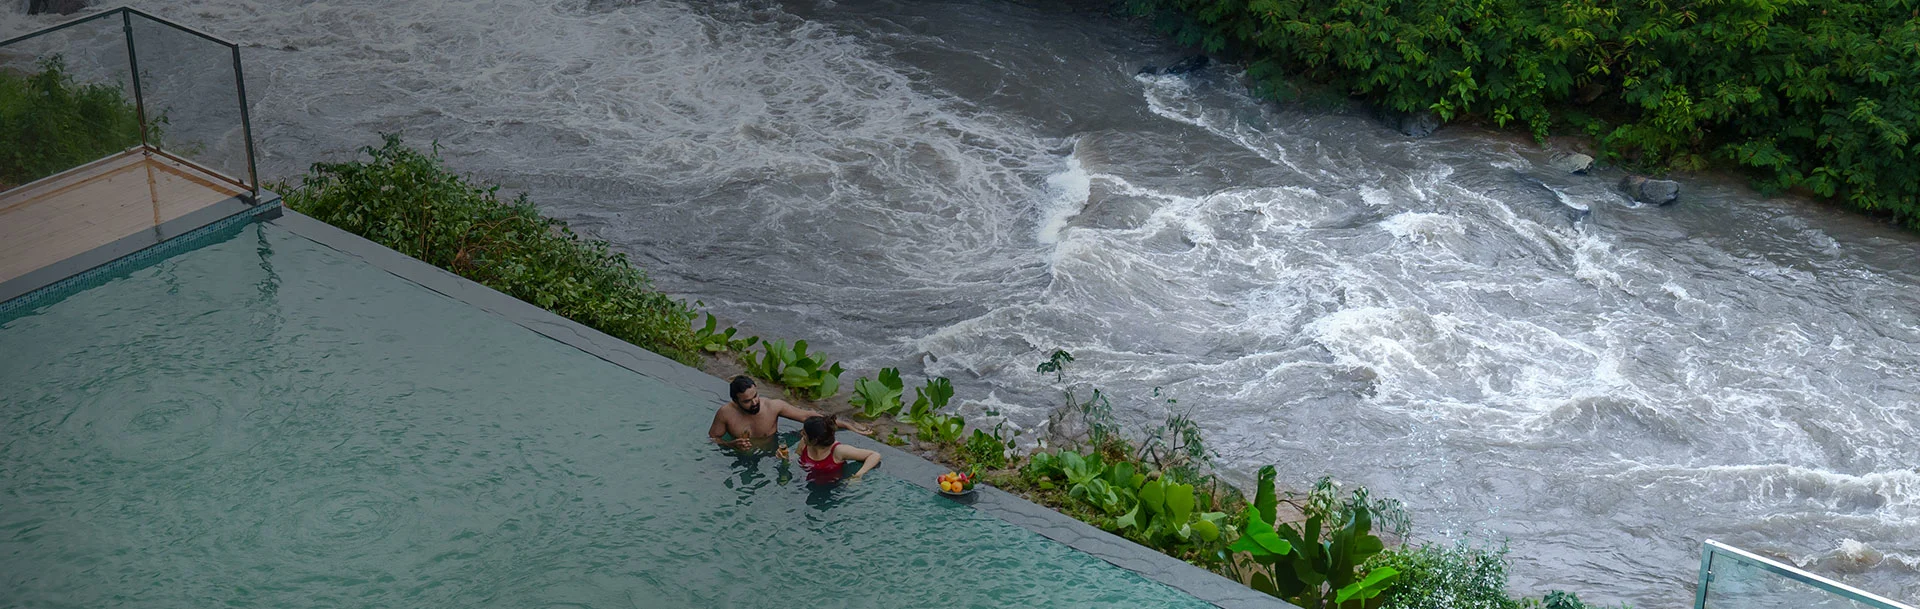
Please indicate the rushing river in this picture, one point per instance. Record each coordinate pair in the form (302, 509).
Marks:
(958, 188)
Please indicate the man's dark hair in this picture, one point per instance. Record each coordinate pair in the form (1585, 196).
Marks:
(739, 385)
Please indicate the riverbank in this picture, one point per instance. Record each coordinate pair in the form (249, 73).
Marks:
(1808, 100)
(1155, 487)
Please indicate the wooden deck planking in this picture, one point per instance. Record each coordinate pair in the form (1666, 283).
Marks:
(93, 205)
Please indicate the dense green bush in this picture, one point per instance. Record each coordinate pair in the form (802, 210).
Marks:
(1436, 577)
(1559, 599)
(404, 199)
(1810, 94)
(49, 123)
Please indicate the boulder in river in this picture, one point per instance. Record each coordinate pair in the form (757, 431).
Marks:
(1186, 66)
(1414, 124)
(64, 7)
(1645, 190)
(1571, 162)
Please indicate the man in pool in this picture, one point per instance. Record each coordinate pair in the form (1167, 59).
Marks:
(749, 420)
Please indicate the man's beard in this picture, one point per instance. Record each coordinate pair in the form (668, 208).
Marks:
(754, 410)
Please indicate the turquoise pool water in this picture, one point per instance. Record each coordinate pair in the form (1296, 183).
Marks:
(265, 422)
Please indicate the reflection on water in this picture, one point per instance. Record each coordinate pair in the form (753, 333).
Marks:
(753, 470)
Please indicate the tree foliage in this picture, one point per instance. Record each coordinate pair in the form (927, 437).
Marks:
(1818, 95)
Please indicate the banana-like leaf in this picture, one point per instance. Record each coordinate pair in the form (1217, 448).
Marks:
(1263, 498)
(1377, 581)
(1264, 540)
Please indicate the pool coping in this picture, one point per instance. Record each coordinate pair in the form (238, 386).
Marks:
(1200, 583)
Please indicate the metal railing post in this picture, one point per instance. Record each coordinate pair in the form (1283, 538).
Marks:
(1706, 577)
(133, 65)
(246, 124)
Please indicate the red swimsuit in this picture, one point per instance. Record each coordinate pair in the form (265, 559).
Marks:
(823, 469)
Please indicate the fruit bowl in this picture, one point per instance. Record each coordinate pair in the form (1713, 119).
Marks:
(954, 484)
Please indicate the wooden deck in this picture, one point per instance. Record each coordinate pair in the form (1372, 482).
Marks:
(76, 211)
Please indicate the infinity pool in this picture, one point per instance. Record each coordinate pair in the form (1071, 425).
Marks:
(266, 422)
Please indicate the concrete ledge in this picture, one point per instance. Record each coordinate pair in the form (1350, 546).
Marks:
(1081, 536)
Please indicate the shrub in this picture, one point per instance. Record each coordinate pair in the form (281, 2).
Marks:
(1436, 577)
(406, 200)
(877, 398)
(806, 375)
(1320, 562)
(1559, 599)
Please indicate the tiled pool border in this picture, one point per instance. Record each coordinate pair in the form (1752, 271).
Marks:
(1200, 583)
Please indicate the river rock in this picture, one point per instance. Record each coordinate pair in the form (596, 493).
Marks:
(1186, 66)
(1657, 192)
(1571, 162)
(1415, 124)
(64, 7)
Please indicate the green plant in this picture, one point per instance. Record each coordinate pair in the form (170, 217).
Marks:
(1559, 599)
(1056, 364)
(49, 123)
(1095, 414)
(985, 450)
(876, 398)
(1435, 577)
(1312, 564)
(721, 341)
(929, 399)
(894, 439)
(1043, 470)
(941, 429)
(1176, 446)
(804, 374)
(1164, 518)
(406, 200)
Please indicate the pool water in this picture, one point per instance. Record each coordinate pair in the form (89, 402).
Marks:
(266, 422)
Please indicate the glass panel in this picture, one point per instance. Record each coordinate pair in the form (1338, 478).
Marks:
(1737, 584)
(66, 99)
(1737, 579)
(187, 83)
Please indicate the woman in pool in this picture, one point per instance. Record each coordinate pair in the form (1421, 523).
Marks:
(822, 457)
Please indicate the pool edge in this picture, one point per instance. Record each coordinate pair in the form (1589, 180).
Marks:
(1200, 583)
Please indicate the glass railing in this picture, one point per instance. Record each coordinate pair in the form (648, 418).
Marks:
(94, 87)
(1732, 578)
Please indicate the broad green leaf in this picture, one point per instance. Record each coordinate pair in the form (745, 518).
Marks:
(1263, 536)
(1376, 582)
(1179, 498)
(1153, 496)
(1207, 530)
